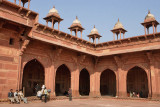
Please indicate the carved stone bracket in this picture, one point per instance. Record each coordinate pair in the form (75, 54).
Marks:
(81, 58)
(58, 51)
(150, 58)
(2, 23)
(95, 61)
(24, 46)
(118, 61)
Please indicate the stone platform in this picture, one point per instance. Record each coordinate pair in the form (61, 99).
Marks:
(101, 102)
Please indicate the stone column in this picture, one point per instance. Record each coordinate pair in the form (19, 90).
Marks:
(92, 85)
(46, 73)
(51, 81)
(121, 78)
(76, 32)
(28, 3)
(152, 82)
(123, 35)
(153, 27)
(75, 78)
(113, 36)
(120, 34)
(156, 28)
(148, 30)
(19, 2)
(52, 23)
(58, 25)
(81, 34)
(75, 83)
(145, 30)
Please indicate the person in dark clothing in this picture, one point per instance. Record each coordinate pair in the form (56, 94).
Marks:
(11, 96)
(37, 88)
(70, 94)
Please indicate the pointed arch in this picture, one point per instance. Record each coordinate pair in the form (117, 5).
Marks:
(33, 74)
(137, 81)
(63, 80)
(84, 82)
(108, 83)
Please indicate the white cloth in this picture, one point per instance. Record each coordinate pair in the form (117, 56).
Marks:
(16, 97)
(39, 93)
(43, 86)
(11, 99)
(22, 97)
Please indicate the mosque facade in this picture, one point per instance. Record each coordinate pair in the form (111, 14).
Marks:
(32, 53)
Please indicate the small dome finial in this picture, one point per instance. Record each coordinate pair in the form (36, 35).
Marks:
(53, 6)
(94, 26)
(76, 17)
(118, 19)
(149, 12)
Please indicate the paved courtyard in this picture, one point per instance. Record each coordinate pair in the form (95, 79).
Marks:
(88, 103)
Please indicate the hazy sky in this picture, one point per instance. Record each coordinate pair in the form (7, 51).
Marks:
(101, 13)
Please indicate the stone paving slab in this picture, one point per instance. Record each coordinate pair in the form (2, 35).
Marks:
(87, 103)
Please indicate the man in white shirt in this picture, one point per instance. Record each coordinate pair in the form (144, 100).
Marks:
(20, 94)
(16, 96)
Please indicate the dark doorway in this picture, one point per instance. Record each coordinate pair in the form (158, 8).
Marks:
(108, 83)
(63, 80)
(137, 82)
(33, 73)
(84, 83)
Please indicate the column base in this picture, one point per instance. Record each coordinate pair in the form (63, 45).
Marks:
(75, 93)
(122, 95)
(94, 94)
(155, 96)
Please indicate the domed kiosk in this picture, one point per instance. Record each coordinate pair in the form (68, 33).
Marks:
(53, 17)
(150, 21)
(76, 26)
(118, 29)
(94, 34)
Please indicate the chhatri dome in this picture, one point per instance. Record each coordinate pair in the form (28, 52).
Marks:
(53, 17)
(53, 12)
(149, 17)
(118, 25)
(76, 26)
(94, 31)
(76, 21)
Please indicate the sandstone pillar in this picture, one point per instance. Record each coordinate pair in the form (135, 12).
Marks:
(153, 85)
(75, 81)
(52, 80)
(120, 79)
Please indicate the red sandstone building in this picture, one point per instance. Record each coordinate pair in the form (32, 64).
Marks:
(32, 53)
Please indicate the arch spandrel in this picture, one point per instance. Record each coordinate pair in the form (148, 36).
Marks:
(68, 65)
(142, 66)
(43, 60)
(85, 69)
(112, 68)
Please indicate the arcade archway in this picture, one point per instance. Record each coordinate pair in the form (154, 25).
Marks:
(137, 82)
(63, 80)
(84, 83)
(108, 83)
(33, 74)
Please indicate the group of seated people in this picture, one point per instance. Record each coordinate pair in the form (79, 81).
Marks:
(16, 97)
(136, 94)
